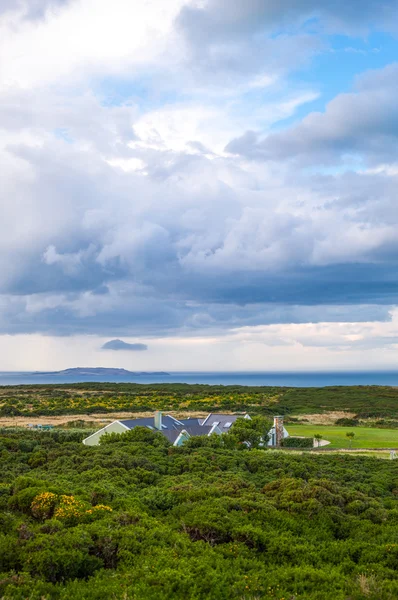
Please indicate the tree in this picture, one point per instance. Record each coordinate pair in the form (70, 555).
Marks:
(350, 435)
(318, 438)
(252, 432)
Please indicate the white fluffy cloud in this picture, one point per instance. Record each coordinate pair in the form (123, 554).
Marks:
(84, 39)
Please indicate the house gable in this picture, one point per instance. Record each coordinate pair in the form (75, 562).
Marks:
(114, 427)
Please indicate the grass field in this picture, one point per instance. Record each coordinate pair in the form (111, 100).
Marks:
(365, 437)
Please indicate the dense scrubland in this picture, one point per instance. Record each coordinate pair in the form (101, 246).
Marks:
(363, 401)
(136, 518)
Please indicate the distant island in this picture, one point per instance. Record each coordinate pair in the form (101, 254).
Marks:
(98, 371)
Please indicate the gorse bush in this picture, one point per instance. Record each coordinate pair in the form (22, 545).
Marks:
(137, 518)
(43, 505)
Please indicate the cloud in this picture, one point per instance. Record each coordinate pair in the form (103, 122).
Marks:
(363, 123)
(138, 37)
(225, 43)
(218, 20)
(234, 245)
(120, 345)
(32, 9)
(126, 217)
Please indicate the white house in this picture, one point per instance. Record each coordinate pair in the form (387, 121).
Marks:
(176, 431)
(179, 430)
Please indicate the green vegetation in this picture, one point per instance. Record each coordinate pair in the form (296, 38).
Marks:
(345, 422)
(365, 437)
(350, 435)
(318, 438)
(298, 442)
(364, 401)
(135, 518)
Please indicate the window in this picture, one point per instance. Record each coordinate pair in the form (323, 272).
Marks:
(227, 425)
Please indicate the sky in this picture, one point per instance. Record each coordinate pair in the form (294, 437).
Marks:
(199, 184)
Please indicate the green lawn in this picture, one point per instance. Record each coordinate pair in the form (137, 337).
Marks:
(365, 437)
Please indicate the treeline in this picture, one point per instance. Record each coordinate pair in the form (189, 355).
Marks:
(135, 518)
(364, 402)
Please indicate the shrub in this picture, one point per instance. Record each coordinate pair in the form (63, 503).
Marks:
(346, 422)
(22, 501)
(57, 564)
(43, 505)
(9, 554)
(97, 512)
(70, 510)
(157, 499)
(296, 442)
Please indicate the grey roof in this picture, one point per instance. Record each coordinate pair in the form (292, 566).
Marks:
(171, 427)
(189, 422)
(221, 419)
(171, 434)
(197, 429)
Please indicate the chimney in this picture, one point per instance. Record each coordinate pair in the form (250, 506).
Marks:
(278, 424)
(158, 420)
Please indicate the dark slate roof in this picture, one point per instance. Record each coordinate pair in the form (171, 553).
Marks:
(171, 434)
(197, 429)
(189, 422)
(171, 427)
(221, 419)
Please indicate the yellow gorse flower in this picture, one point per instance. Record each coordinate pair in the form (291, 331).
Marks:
(43, 505)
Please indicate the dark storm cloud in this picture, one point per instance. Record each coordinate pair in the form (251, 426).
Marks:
(64, 316)
(120, 345)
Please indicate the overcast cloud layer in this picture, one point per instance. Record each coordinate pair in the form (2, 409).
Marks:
(189, 171)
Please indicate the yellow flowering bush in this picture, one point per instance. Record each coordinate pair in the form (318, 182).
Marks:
(43, 505)
(70, 509)
(102, 507)
(97, 512)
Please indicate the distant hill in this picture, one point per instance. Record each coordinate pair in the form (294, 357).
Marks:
(98, 371)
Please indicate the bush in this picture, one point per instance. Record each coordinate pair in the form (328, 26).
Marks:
(296, 442)
(9, 554)
(22, 501)
(43, 505)
(156, 499)
(346, 422)
(57, 564)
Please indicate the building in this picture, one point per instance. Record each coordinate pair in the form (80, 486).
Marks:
(176, 431)
(277, 433)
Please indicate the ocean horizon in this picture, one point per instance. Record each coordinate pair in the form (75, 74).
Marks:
(244, 378)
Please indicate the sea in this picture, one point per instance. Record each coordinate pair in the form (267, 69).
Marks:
(284, 379)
